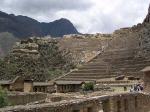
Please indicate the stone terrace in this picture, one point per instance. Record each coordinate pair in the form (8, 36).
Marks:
(109, 64)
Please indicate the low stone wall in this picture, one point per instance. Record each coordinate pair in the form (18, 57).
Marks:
(129, 102)
(24, 98)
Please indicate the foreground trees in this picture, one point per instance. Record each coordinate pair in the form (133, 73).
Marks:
(3, 98)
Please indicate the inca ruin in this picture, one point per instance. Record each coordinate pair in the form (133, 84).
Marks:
(52, 67)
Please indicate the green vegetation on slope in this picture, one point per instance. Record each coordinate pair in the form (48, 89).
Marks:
(49, 63)
(88, 86)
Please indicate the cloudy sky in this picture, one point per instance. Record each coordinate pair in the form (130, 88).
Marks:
(89, 16)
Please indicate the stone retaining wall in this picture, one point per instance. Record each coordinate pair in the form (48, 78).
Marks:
(129, 102)
(24, 98)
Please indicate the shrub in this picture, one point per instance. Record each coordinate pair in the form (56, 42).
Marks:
(88, 86)
(55, 73)
(3, 98)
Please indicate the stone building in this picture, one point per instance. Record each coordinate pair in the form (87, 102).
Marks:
(43, 87)
(24, 85)
(16, 84)
(146, 71)
(28, 85)
(68, 86)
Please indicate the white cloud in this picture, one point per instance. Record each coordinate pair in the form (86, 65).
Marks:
(89, 16)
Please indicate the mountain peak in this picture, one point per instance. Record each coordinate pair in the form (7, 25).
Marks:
(147, 19)
(25, 27)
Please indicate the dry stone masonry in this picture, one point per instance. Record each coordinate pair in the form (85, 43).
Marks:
(129, 102)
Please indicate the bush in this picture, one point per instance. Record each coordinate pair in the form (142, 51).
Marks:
(88, 86)
(55, 73)
(3, 98)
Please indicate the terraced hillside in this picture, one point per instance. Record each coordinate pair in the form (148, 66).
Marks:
(110, 64)
(84, 47)
(126, 54)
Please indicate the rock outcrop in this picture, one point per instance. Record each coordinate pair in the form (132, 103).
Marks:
(147, 19)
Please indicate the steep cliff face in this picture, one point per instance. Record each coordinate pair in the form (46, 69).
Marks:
(147, 19)
(24, 27)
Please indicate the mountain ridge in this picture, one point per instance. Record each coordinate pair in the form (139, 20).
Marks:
(24, 27)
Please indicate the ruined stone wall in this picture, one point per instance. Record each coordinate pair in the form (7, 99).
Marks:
(24, 98)
(84, 47)
(129, 102)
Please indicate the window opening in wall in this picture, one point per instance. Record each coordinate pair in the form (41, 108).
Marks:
(106, 106)
(89, 109)
(118, 106)
(76, 110)
(126, 105)
(125, 88)
(136, 102)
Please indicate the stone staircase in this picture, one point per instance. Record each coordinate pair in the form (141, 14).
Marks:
(109, 64)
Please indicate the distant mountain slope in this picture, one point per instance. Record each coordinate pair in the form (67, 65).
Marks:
(7, 40)
(24, 27)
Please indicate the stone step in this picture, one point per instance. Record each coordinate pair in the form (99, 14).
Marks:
(95, 64)
(131, 66)
(125, 69)
(130, 60)
(122, 51)
(101, 63)
(90, 77)
(129, 55)
(130, 63)
(76, 79)
(103, 74)
(84, 78)
(88, 74)
(90, 71)
(92, 67)
(128, 73)
(111, 58)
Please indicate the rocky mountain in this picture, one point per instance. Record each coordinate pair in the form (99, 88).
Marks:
(24, 27)
(147, 19)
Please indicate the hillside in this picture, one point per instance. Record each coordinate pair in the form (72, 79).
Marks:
(84, 47)
(24, 27)
(126, 54)
(35, 58)
(13, 28)
(46, 58)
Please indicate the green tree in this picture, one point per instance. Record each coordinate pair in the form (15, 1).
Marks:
(88, 86)
(3, 98)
